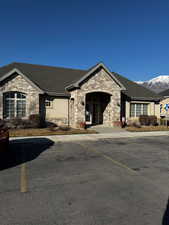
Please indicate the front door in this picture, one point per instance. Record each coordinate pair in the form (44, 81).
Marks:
(94, 114)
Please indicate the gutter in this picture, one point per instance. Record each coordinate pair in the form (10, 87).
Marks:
(144, 98)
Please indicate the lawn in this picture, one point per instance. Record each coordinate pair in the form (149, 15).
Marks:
(47, 131)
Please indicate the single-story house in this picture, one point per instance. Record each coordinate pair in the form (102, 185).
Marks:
(71, 96)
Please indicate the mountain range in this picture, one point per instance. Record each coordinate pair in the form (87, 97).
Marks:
(157, 84)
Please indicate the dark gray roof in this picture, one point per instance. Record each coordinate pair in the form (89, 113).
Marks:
(48, 78)
(136, 91)
(164, 93)
(54, 80)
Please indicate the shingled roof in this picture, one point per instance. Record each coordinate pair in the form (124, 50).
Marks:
(136, 91)
(164, 93)
(54, 80)
(47, 78)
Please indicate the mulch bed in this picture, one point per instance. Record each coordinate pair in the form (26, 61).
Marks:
(47, 132)
(148, 128)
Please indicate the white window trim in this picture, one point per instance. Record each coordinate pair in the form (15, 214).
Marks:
(15, 103)
(135, 107)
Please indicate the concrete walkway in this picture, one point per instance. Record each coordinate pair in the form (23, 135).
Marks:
(94, 137)
(106, 130)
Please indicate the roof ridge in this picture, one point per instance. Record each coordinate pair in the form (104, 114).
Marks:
(59, 67)
(6, 65)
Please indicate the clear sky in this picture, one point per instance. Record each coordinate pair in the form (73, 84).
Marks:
(130, 36)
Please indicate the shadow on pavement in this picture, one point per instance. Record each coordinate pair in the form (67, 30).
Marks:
(23, 150)
(165, 220)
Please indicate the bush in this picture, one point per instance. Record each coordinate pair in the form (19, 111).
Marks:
(136, 125)
(3, 125)
(64, 128)
(35, 120)
(146, 120)
(14, 123)
(153, 120)
(18, 123)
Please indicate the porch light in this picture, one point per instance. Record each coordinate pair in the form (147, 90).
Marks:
(82, 102)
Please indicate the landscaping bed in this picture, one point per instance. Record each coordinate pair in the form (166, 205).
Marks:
(46, 132)
(147, 128)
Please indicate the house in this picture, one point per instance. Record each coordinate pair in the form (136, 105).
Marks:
(70, 96)
(164, 104)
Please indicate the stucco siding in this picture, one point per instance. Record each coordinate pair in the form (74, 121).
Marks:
(153, 109)
(58, 111)
(157, 110)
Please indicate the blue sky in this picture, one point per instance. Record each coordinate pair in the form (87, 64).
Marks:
(131, 37)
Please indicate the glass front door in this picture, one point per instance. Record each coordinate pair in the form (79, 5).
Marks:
(94, 114)
(97, 114)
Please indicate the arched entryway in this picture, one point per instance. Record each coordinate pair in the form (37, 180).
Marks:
(97, 108)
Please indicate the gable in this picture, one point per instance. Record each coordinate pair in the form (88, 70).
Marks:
(94, 70)
(17, 82)
(100, 80)
(14, 73)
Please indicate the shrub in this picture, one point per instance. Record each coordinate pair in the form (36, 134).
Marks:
(153, 120)
(3, 125)
(52, 126)
(146, 120)
(64, 128)
(13, 123)
(136, 125)
(35, 120)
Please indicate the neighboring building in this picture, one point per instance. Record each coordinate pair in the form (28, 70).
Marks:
(164, 104)
(69, 96)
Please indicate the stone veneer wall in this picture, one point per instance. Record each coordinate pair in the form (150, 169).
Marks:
(18, 83)
(99, 82)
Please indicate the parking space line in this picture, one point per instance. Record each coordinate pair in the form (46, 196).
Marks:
(109, 158)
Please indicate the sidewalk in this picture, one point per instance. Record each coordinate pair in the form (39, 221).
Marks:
(94, 137)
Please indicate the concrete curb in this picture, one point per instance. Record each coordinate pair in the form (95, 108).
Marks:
(94, 137)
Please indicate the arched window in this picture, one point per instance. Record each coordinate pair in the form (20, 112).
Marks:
(14, 105)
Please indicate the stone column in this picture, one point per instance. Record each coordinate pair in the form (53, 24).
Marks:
(116, 108)
(79, 108)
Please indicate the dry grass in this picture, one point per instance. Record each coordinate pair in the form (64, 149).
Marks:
(148, 128)
(46, 132)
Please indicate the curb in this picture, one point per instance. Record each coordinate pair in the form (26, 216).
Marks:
(94, 137)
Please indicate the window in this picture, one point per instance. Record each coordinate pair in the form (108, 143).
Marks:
(14, 105)
(137, 109)
(48, 103)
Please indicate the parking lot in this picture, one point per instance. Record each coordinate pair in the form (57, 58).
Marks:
(108, 181)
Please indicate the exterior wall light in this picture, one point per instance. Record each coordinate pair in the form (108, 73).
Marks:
(82, 102)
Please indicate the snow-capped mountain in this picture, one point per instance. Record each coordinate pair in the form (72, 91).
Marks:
(156, 84)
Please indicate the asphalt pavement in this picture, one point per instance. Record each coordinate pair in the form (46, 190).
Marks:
(122, 181)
